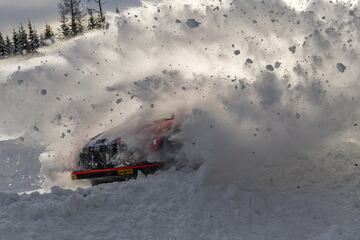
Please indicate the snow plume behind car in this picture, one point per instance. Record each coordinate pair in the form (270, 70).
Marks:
(258, 82)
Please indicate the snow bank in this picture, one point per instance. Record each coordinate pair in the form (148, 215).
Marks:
(271, 97)
(175, 205)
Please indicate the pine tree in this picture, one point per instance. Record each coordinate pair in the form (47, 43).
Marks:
(48, 33)
(2, 46)
(34, 42)
(64, 28)
(15, 42)
(74, 10)
(23, 40)
(101, 16)
(92, 24)
(117, 9)
(80, 24)
(8, 46)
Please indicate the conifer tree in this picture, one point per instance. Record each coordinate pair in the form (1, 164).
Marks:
(73, 9)
(48, 33)
(92, 24)
(64, 28)
(34, 42)
(15, 42)
(8, 46)
(2, 46)
(23, 40)
(117, 9)
(80, 25)
(101, 16)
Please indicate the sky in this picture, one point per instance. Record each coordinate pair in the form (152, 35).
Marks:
(14, 12)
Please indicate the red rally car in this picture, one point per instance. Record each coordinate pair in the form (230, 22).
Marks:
(119, 155)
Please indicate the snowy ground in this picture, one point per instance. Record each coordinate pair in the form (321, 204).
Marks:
(271, 100)
(179, 205)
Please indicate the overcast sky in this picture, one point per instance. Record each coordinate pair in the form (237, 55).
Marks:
(14, 12)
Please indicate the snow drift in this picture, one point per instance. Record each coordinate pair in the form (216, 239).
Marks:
(271, 97)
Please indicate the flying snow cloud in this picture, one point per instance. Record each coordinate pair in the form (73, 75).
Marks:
(262, 86)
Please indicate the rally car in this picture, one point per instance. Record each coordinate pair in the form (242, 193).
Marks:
(119, 154)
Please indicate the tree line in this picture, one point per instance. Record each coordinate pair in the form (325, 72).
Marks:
(72, 23)
(23, 41)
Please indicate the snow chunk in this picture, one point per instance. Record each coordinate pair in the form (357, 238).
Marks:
(43, 92)
(249, 61)
(292, 49)
(192, 23)
(341, 67)
(270, 67)
(277, 64)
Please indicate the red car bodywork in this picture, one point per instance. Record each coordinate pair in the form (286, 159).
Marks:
(96, 158)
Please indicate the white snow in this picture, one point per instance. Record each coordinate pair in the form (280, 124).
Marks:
(267, 154)
(179, 205)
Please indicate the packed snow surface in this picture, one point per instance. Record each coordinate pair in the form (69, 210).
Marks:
(177, 205)
(270, 101)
